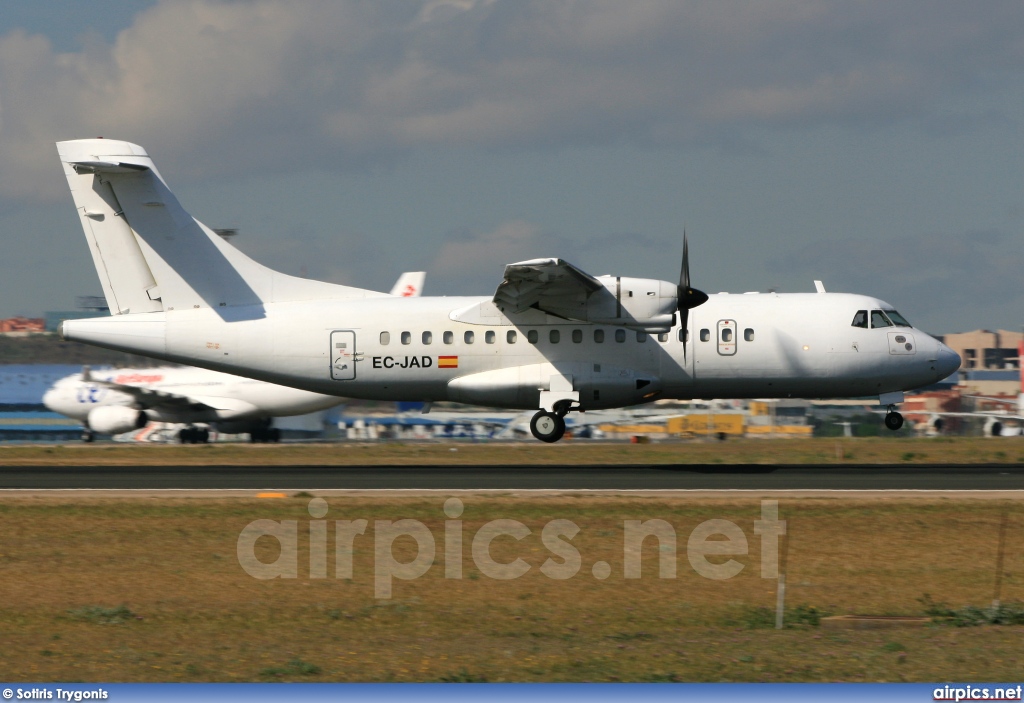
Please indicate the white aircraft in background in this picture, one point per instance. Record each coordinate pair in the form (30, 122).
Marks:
(113, 401)
(995, 420)
(552, 338)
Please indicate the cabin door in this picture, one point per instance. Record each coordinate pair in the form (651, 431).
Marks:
(343, 355)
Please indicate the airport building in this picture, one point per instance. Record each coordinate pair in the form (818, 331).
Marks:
(991, 361)
(20, 326)
(985, 349)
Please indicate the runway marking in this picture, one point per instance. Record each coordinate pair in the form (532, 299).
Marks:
(1001, 494)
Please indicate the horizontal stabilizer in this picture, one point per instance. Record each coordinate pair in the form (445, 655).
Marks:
(107, 167)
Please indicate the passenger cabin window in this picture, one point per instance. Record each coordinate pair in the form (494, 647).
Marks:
(897, 319)
(663, 337)
(532, 336)
(406, 337)
(878, 319)
(448, 337)
(554, 336)
(577, 336)
(861, 319)
(428, 337)
(726, 334)
(489, 337)
(620, 335)
(598, 336)
(510, 337)
(641, 337)
(705, 335)
(748, 334)
(468, 337)
(385, 338)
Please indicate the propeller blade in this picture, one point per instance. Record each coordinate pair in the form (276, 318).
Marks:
(687, 297)
(684, 272)
(684, 319)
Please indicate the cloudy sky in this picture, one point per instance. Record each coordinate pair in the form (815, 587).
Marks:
(876, 145)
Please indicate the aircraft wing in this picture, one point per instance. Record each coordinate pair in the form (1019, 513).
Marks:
(943, 413)
(549, 285)
(151, 398)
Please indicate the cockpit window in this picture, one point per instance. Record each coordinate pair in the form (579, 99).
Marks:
(878, 319)
(897, 319)
(861, 319)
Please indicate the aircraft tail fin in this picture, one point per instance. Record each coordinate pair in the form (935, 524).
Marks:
(409, 284)
(150, 254)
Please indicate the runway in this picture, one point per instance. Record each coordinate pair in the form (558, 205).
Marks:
(919, 477)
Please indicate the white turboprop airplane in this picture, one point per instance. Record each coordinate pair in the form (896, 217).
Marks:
(113, 401)
(551, 338)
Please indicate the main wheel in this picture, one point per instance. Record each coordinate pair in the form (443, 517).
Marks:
(547, 427)
(88, 436)
(894, 421)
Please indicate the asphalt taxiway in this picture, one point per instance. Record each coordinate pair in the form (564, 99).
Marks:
(635, 477)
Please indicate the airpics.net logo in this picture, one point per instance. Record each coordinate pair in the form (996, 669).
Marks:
(717, 538)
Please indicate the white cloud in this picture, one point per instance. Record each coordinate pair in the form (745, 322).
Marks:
(210, 86)
(473, 263)
(932, 279)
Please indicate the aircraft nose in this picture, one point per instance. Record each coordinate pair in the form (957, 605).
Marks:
(948, 361)
(49, 398)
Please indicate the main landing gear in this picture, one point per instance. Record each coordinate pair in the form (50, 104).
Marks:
(193, 435)
(550, 426)
(893, 420)
(265, 435)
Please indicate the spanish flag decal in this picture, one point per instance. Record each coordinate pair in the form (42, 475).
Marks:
(447, 362)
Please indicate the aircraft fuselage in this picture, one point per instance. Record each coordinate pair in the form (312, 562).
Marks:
(764, 345)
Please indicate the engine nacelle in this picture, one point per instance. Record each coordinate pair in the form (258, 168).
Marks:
(521, 386)
(993, 427)
(645, 304)
(115, 419)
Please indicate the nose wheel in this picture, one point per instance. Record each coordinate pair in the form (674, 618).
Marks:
(893, 420)
(547, 427)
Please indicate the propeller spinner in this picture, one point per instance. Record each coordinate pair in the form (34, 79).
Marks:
(687, 297)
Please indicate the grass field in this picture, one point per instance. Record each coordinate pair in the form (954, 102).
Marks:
(963, 450)
(107, 589)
